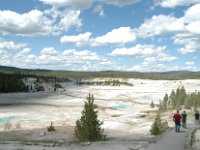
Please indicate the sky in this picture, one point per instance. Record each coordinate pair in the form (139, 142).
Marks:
(96, 35)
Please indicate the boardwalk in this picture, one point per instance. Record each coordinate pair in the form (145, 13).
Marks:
(170, 141)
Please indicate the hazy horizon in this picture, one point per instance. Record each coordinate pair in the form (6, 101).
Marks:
(100, 70)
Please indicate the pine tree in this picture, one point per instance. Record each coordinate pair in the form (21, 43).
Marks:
(172, 98)
(198, 98)
(165, 101)
(152, 104)
(180, 97)
(155, 128)
(183, 95)
(88, 127)
(160, 109)
(188, 102)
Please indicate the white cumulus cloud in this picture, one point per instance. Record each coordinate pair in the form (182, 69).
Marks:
(190, 42)
(120, 2)
(78, 4)
(175, 3)
(79, 40)
(70, 18)
(192, 13)
(161, 57)
(190, 38)
(31, 23)
(189, 63)
(8, 46)
(118, 36)
(191, 66)
(138, 50)
(99, 9)
(161, 24)
(48, 51)
(36, 22)
(153, 56)
(82, 4)
(185, 30)
(19, 55)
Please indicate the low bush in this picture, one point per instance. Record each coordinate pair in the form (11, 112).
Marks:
(51, 128)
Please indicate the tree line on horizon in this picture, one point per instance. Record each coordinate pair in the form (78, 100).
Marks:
(171, 75)
(16, 82)
(106, 82)
(12, 83)
(122, 74)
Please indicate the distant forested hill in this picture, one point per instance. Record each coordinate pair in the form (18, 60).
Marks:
(14, 69)
(172, 75)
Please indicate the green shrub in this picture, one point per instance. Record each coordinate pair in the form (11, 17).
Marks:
(51, 128)
(158, 125)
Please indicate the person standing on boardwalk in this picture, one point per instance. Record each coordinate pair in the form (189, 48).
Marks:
(196, 118)
(177, 120)
(184, 119)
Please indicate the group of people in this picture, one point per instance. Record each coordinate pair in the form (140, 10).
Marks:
(181, 118)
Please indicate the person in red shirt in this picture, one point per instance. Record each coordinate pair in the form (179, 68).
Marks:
(177, 120)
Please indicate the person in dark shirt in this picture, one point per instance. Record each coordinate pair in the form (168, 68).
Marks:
(177, 120)
(184, 119)
(196, 118)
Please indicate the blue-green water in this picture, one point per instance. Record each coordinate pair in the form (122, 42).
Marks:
(120, 106)
(6, 119)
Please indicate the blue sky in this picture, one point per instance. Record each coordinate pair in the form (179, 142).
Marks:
(94, 35)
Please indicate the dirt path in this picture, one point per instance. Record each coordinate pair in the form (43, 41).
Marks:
(170, 141)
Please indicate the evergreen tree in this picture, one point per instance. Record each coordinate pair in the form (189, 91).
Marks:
(155, 128)
(161, 106)
(188, 102)
(152, 104)
(183, 95)
(88, 127)
(180, 97)
(165, 101)
(198, 98)
(194, 98)
(172, 98)
(177, 98)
